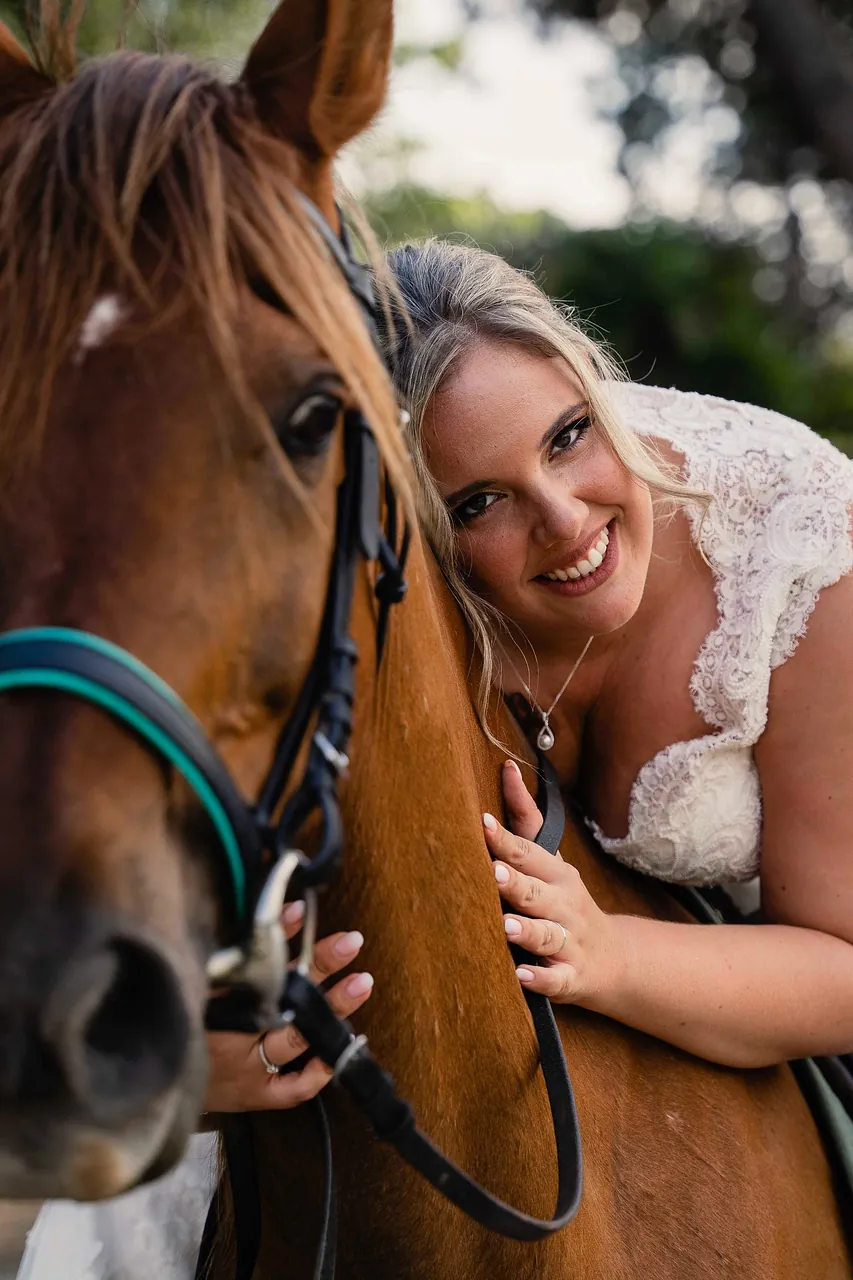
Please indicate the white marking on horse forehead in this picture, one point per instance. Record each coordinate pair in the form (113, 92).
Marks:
(102, 321)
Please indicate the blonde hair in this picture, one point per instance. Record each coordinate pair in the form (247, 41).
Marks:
(449, 297)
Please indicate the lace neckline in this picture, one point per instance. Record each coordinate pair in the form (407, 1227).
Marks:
(702, 677)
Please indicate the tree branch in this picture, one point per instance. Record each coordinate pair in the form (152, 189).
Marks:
(807, 65)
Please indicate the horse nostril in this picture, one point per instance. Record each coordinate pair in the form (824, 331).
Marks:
(119, 1027)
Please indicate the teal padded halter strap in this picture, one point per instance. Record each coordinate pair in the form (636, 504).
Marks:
(86, 640)
(50, 658)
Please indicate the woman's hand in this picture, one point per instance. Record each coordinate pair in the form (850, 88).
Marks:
(238, 1079)
(558, 918)
(779, 991)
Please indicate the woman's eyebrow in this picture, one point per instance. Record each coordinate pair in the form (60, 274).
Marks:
(568, 416)
(560, 423)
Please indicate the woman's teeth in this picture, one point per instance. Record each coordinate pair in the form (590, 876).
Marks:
(583, 568)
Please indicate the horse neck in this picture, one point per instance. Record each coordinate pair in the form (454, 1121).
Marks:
(418, 880)
(425, 758)
(448, 1020)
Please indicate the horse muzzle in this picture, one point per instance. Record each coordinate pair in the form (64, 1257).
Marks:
(101, 1078)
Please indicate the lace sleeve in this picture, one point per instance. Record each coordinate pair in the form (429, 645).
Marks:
(776, 534)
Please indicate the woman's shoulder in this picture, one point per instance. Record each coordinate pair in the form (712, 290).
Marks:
(693, 421)
(778, 530)
(762, 469)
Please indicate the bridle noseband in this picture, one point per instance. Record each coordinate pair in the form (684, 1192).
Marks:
(256, 843)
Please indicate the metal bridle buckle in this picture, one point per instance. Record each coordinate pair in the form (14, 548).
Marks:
(337, 759)
(355, 1046)
(263, 965)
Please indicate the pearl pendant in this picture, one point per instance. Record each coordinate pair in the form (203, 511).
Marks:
(545, 741)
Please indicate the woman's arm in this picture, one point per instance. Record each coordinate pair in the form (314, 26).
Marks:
(741, 995)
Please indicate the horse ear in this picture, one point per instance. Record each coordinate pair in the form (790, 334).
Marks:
(20, 81)
(319, 72)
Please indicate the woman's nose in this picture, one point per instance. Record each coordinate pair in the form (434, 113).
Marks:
(561, 517)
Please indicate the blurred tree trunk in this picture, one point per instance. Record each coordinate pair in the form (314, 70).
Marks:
(797, 41)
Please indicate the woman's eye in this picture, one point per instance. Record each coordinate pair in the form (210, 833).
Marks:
(571, 435)
(308, 429)
(475, 506)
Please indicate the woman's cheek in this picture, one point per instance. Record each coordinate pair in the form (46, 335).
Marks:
(495, 555)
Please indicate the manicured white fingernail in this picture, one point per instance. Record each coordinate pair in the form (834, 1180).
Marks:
(525, 975)
(348, 944)
(511, 927)
(501, 873)
(489, 822)
(293, 912)
(360, 984)
(510, 764)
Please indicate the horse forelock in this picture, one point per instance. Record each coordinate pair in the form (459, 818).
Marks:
(149, 179)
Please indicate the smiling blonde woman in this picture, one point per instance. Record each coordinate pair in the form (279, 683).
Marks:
(660, 581)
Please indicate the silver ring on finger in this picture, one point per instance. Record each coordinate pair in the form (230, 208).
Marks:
(565, 936)
(271, 1068)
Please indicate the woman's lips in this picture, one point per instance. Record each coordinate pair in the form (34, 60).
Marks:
(581, 586)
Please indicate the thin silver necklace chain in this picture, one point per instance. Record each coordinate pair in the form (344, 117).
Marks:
(545, 739)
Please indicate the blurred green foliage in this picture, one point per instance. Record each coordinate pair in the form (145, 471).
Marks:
(679, 310)
(217, 29)
(766, 88)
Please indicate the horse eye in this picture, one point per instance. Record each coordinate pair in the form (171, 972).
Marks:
(307, 431)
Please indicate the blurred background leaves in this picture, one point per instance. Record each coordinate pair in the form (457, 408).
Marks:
(730, 270)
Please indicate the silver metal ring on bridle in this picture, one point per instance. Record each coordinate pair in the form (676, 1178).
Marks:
(271, 1068)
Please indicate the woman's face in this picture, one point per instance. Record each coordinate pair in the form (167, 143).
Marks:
(553, 530)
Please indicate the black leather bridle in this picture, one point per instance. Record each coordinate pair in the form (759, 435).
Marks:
(258, 988)
(357, 1072)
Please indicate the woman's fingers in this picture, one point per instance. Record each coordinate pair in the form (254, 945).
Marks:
(282, 1092)
(292, 917)
(522, 853)
(528, 894)
(350, 993)
(539, 937)
(557, 981)
(330, 955)
(279, 1093)
(240, 1082)
(333, 954)
(285, 1043)
(524, 818)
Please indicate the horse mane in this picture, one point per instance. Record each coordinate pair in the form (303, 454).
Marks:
(151, 178)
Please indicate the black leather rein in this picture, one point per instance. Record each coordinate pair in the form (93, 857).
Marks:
(393, 1121)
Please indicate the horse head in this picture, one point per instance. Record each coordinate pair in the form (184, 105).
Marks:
(177, 352)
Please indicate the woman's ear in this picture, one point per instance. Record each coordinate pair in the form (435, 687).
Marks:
(20, 81)
(319, 72)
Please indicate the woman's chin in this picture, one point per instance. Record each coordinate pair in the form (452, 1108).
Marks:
(598, 612)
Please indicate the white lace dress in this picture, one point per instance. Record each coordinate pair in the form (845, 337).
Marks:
(776, 534)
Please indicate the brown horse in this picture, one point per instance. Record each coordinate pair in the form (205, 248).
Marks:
(691, 1170)
(175, 350)
(146, 218)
